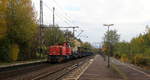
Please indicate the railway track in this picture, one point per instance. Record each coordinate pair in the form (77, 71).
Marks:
(60, 73)
(7, 72)
(43, 71)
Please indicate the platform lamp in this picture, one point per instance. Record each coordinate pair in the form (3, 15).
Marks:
(108, 26)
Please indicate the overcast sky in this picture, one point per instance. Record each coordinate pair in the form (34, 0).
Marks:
(129, 16)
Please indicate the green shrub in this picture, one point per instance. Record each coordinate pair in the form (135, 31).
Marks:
(140, 59)
(4, 49)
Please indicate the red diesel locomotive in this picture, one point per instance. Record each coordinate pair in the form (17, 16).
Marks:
(59, 53)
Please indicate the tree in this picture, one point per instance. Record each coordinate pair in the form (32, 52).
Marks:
(70, 38)
(122, 48)
(87, 46)
(136, 51)
(21, 20)
(54, 35)
(111, 38)
(21, 26)
(3, 27)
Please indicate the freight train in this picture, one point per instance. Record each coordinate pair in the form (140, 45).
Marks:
(63, 52)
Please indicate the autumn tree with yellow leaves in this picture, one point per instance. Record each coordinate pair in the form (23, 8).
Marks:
(17, 29)
(137, 51)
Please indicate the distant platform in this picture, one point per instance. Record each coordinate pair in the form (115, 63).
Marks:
(20, 63)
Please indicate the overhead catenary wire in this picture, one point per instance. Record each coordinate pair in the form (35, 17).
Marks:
(67, 21)
(61, 8)
(59, 16)
(61, 11)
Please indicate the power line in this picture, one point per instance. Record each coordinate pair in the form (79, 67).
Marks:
(61, 8)
(61, 15)
(67, 21)
(65, 14)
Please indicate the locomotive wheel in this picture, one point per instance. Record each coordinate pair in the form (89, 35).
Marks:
(60, 59)
(49, 59)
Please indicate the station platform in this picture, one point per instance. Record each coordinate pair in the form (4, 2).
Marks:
(98, 70)
(20, 63)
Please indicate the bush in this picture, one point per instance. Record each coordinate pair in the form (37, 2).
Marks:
(144, 61)
(124, 58)
(4, 49)
(14, 51)
(140, 59)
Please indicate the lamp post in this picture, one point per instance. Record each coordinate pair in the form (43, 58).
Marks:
(108, 25)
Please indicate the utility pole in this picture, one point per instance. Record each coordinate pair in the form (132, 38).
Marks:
(41, 13)
(41, 24)
(53, 16)
(74, 31)
(108, 25)
(54, 25)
